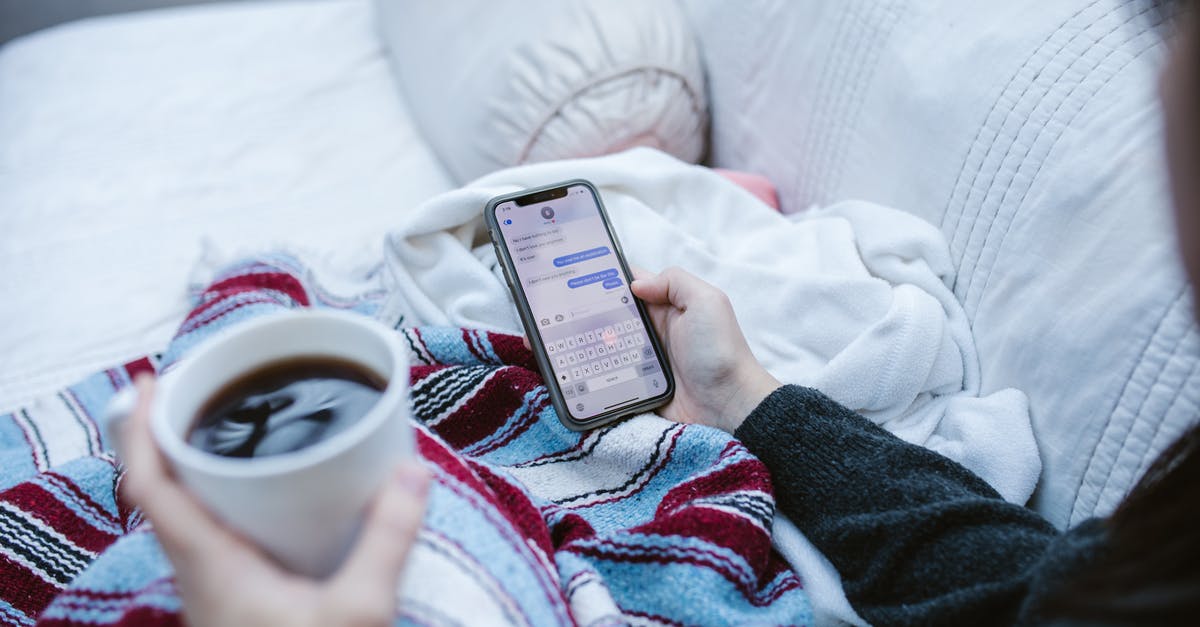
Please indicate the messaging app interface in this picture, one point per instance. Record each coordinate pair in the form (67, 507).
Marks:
(598, 346)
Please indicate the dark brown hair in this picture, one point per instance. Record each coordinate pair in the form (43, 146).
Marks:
(1148, 572)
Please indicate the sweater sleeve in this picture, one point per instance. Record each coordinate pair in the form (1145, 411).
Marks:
(917, 538)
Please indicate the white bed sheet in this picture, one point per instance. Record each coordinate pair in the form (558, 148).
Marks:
(126, 142)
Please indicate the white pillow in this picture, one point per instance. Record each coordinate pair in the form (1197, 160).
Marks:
(1029, 131)
(496, 83)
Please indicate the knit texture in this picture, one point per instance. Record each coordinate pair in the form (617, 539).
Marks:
(646, 521)
(917, 538)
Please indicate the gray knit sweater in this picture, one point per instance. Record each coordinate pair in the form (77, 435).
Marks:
(917, 538)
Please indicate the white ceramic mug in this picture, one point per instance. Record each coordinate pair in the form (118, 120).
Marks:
(304, 507)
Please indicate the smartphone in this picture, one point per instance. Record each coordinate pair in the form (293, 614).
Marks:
(592, 338)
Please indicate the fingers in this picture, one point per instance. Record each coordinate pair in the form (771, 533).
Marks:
(184, 528)
(374, 566)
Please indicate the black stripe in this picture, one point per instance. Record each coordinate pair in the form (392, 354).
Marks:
(448, 390)
(408, 333)
(650, 463)
(41, 554)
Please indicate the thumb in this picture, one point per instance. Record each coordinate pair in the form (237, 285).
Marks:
(675, 286)
(374, 566)
(652, 288)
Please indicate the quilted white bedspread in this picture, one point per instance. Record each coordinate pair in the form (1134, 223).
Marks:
(126, 141)
(1028, 131)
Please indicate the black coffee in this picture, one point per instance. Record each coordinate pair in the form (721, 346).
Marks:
(285, 406)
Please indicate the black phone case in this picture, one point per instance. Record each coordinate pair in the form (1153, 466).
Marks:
(535, 337)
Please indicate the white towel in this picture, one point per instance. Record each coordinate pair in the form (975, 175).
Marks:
(851, 299)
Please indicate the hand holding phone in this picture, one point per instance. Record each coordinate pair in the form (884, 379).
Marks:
(591, 337)
(719, 381)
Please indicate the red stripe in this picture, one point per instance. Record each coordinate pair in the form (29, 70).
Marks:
(138, 615)
(83, 498)
(25, 591)
(489, 407)
(518, 509)
(609, 551)
(471, 346)
(42, 505)
(138, 366)
(200, 318)
(511, 350)
(281, 281)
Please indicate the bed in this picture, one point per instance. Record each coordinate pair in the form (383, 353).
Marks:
(130, 141)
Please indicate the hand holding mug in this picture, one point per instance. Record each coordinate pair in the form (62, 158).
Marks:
(225, 580)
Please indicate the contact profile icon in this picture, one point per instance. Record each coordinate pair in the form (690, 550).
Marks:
(548, 213)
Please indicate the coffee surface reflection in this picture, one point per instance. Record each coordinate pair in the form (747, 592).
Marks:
(285, 406)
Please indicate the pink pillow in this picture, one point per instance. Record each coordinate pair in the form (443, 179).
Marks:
(756, 184)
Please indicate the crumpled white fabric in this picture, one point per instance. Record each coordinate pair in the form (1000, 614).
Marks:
(851, 299)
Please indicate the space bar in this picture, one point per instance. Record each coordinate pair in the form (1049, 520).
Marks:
(612, 378)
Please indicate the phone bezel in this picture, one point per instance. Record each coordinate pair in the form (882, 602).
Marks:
(504, 257)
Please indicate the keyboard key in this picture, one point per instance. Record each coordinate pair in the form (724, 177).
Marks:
(591, 352)
(590, 336)
(609, 333)
(606, 363)
(587, 370)
(625, 359)
(639, 339)
(571, 359)
(580, 340)
(648, 352)
(577, 372)
(637, 324)
(560, 346)
(628, 324)
(570, 342)
(601, 349)
(568, 391)
(580, 355)
(550, 348)
(636, 356)
(561, 360)
(581, 388)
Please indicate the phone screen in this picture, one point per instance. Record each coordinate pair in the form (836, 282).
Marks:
(566, 265)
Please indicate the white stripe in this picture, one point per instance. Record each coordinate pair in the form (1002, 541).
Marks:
(89, 424)
(65, 439)
(622, 452)
(436, 566)
(48, 531)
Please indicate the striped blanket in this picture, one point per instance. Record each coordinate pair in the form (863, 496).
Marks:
(643, 522)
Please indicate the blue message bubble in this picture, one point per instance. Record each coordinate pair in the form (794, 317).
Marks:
(611, 283)
(594, 277)
(581, 256)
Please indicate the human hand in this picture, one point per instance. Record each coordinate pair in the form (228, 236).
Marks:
(224, 580)
(718, 382)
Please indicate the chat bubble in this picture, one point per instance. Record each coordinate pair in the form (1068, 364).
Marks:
(611, 283)
(594, 277)
(561, 274)
(581, 256)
